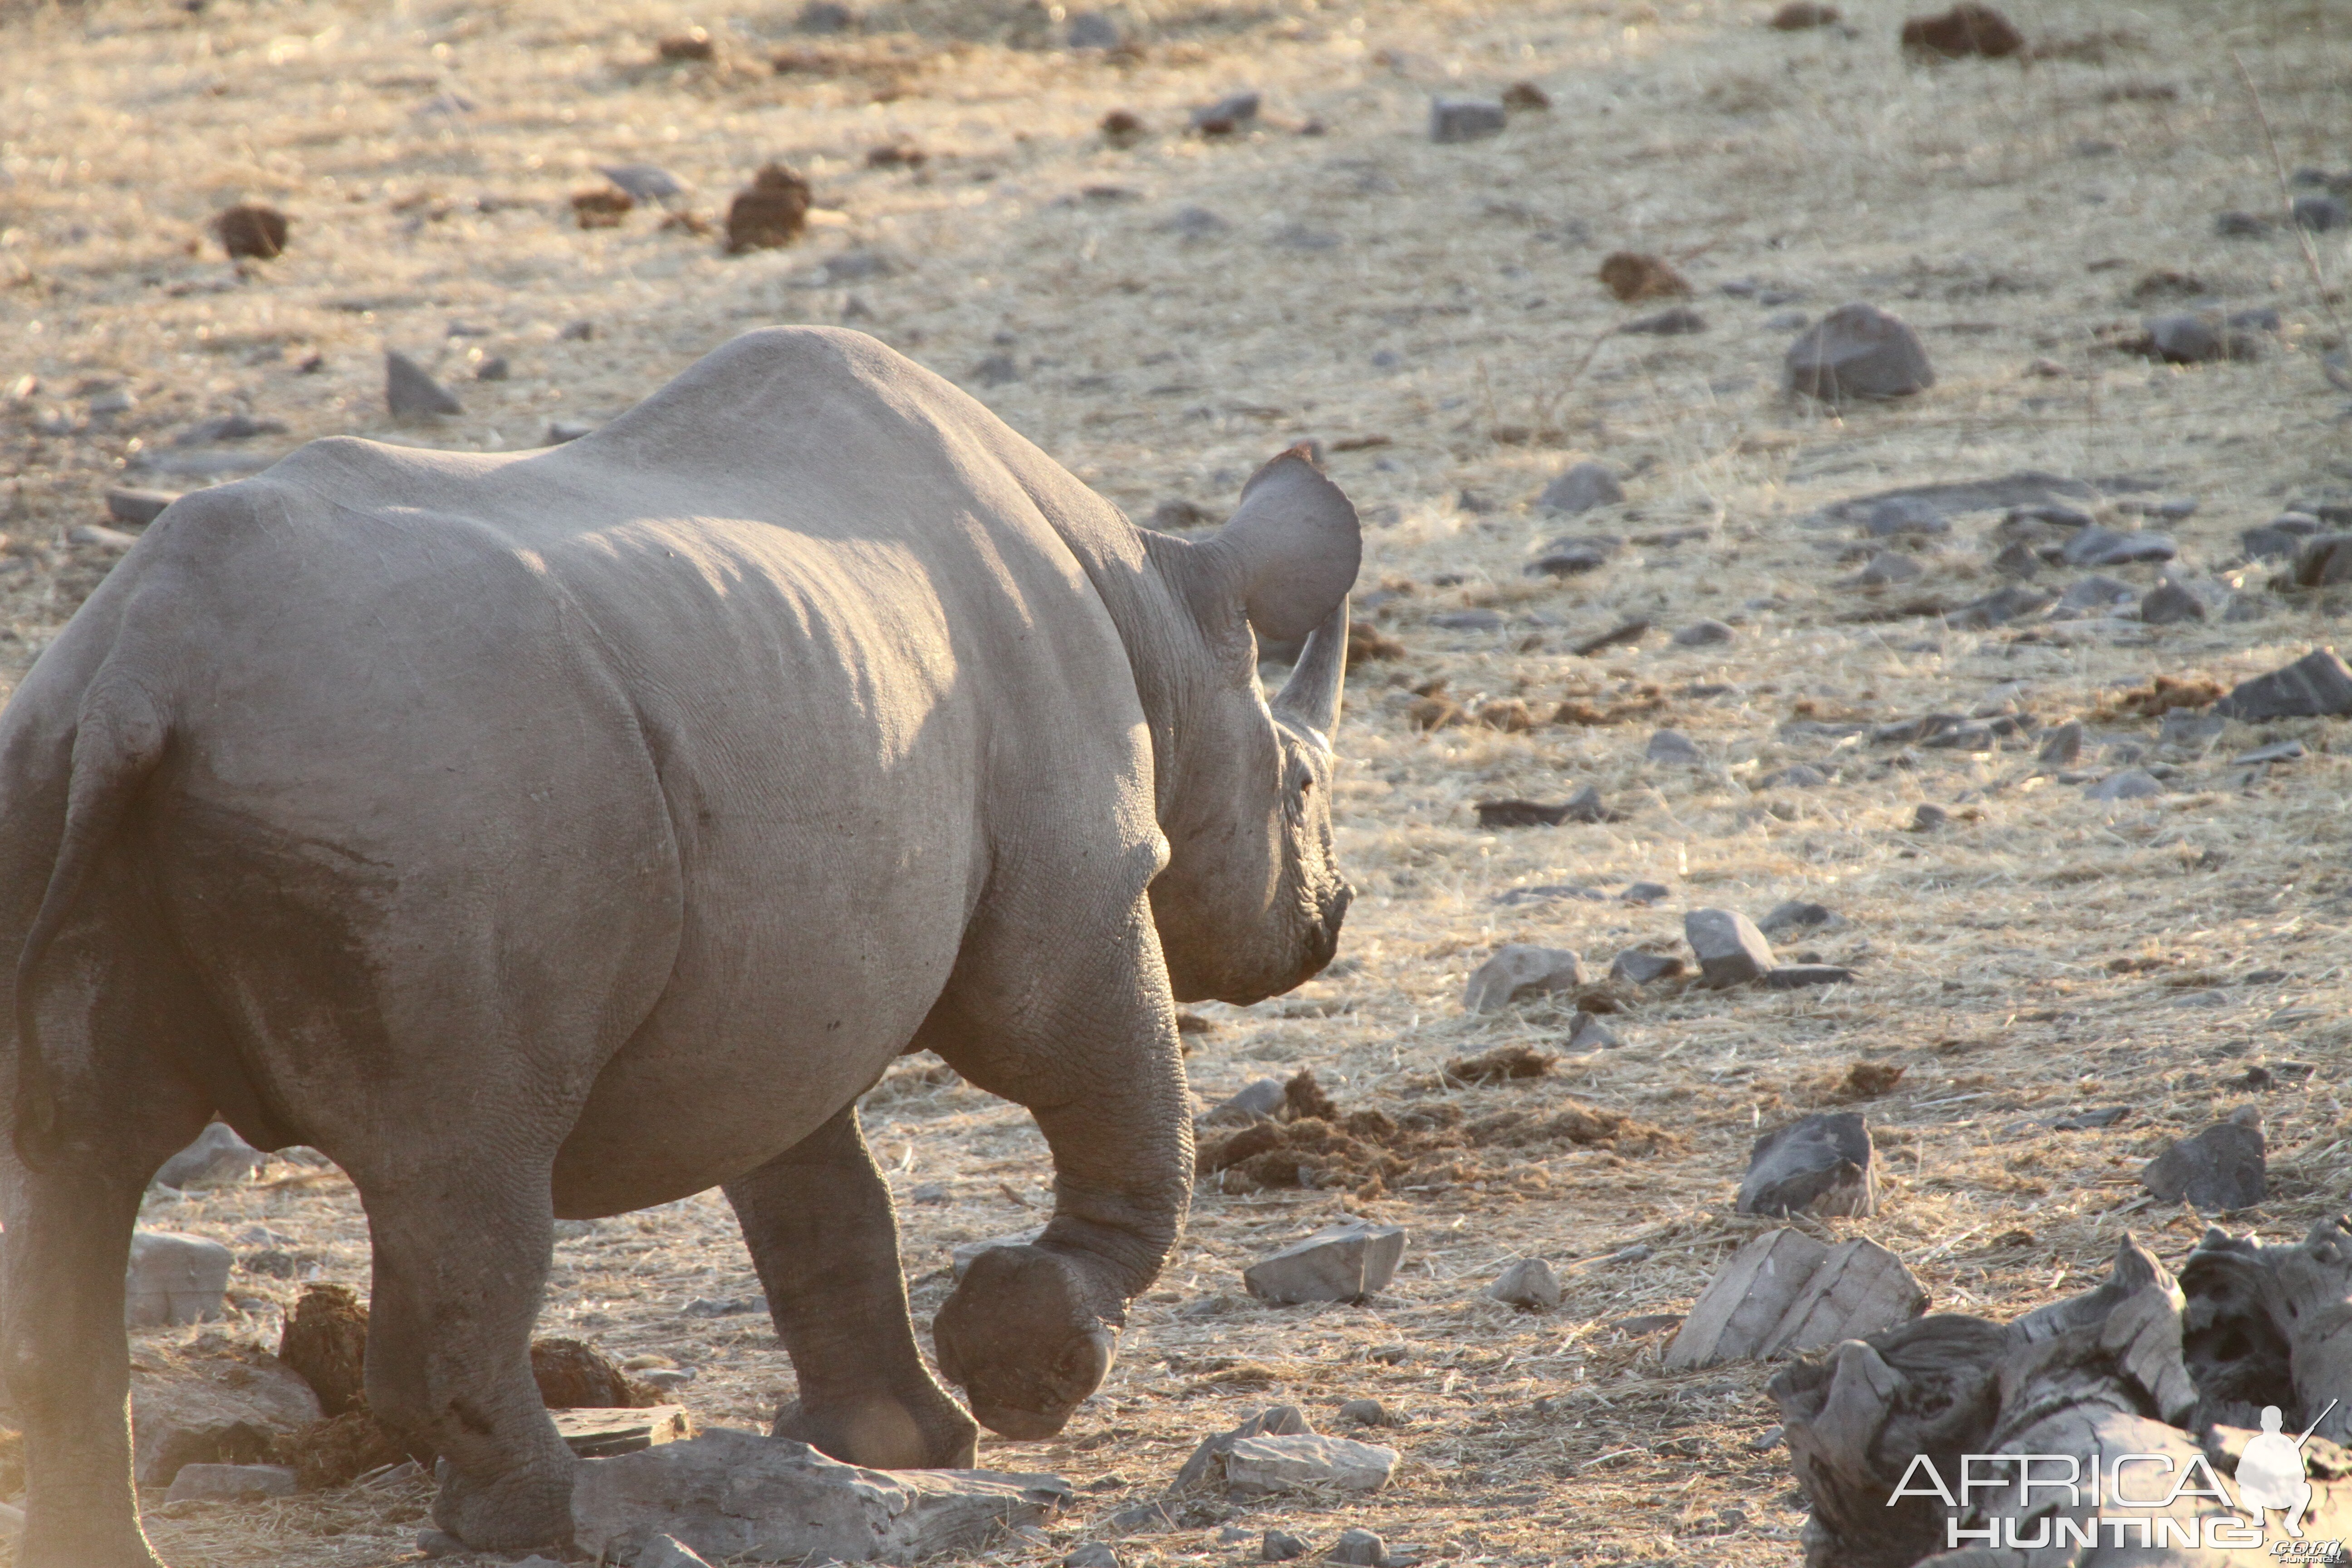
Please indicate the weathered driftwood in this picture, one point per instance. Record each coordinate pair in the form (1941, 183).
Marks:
(2143, 1365)
(1786, 1293)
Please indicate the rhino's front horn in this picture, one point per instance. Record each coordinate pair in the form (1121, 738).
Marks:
(1310, 698)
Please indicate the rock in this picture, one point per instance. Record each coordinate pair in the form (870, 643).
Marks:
(2276, 751)
(2063, 747)
(1799, 977)
(2187, 727)
(1967, 29)
(217, 1158)
(1206, 1466)
(1673, 747)
(227, 427)
(736, 1494)
(826, 17)
(996, 370)
(769, 213)
(1858, 351)
(2169, 604)
(1795, 775)
(1346, 1262)
(1731, 951)
(1796, 915)
(1587, 1033)
(174, 1280)
(1703, 634)
(961, 1255)
(1786, 321)
(2096, 592)
(668, 1551)
(1464, 119)
(2317, 685)
(231, 1483)
(250, 230)
(1638, 968)
(2017, 559)
(2132, 784)
(1529, 1285)
(324, 1342)
(604, 1433)
(1092, 30)
(234, 1409)
(1267, 1465)
(1525, 98)
(2282, 536)
(1674, 321)
(2223, 1167)
(2185, 338)
(1364, 1412)
(1479, 620)
(1358, 1548)
(644, 181)
(1633, 275)
(2319, 214)
(2097, 546)
(1281, 1546)
(1517, 973)
(1646, 892)
(1823, 1164)
(1090, 1553)
(1898, 515)
(2013, 602)
(494, 368)
(104, 538)
(1227, 115)
(411, 394)
(137, 506)
(1582, 488)
(1569, 558)
(1584, 805)
(1259, 1100)
(1927, 818)
(562, 431)
(1785, 1293)
(859, 266)
(1798, 15)
(1887, 569)
(2323, 561)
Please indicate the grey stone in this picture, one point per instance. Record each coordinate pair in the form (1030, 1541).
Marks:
(1795, 775)
(2182, 338)
(646, 181)
(1468, 620)
(1582, 488)
(174, 1280)
(562, 431)
(1090, 1553)
(233, 1409)
(2096, 592)
(2169, 604)
(231, 1483)
(857, 266)
(1788, 321)
(961, 1254)
(1731, 951)
(1260, 1099)
(1227, 115)
(2317, 685)
(409, 392)
(1281, 1546)
(129, 505)
(1887, 569)
(1646, 893)
(1785, 1293)
(1858, 351)
(1195, 223)
(2011, 602)
(1365, 1412)
(2224, 1167)
(1638, 968)
(2320, 213)
(2132, 784)
(2282, 536)
(1464, 119)
(1675, 747)
(826, 17)
(1588, 1032)
(2187, 727)
(2323, 561)
(1796, 915)
(1823, 1164)
(1260, 1465)
(1703, 634)
(2276, 751)
(2097, 546)
(996, 370)
(723, 1307)
(1674, 321)
(661, 1550)
(1529, 1285)
(1206, 1466)
(1345, 1262)
(101, 536)
(1927, 818)
(1800, 976)
(1570, 558)
(1969, 737)
(1545, 892)
(2241, 225)
(1358, 1548)
(494, 368)
(1519, 971)
(2017, 559)
(1898, 515)
(730, 1493)
(1091, 30)
(217, 1158)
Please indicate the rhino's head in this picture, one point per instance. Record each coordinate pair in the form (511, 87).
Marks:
(1251, 901)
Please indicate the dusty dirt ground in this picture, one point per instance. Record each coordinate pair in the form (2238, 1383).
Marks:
(1166, 315)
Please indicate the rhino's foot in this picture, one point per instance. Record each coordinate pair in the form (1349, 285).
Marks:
(885, 1432)
(528, 1508)
(1029, 1334)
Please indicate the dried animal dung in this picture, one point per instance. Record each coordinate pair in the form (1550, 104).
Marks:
(1632, 274)
(772, 212)
(250, 230)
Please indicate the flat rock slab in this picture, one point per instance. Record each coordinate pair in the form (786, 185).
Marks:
(173, 1280)
(1785, 1293)
(1731, 951)
(1797, 976)
(140, 506)
(2224, 1167)
(1823, 1164)
(231, 1483)
(1265, 1465)
(1518, 973)
(224, 1410)
(1339, 1263)
(730, 1494)
(1207, 1464)
(600, 1433)
(2315, 686)
(2028, 488)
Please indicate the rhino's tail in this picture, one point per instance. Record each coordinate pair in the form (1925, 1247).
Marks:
(119, 738)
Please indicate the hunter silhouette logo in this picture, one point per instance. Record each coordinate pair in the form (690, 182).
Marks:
(2271, 1474)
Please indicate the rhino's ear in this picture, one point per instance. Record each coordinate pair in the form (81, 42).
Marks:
(1293, 545)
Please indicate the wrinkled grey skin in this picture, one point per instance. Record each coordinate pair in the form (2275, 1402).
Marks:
(559, 834)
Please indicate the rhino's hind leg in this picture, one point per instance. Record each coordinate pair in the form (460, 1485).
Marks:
(819, 1224)
(461, 1247)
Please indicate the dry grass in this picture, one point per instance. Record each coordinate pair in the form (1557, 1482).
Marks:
(2010, 212)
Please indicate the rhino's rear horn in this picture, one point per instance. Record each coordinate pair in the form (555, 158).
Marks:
(1312, 696)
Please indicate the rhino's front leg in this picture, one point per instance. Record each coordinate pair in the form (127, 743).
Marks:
(819, 1224)
(1084, 1035)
